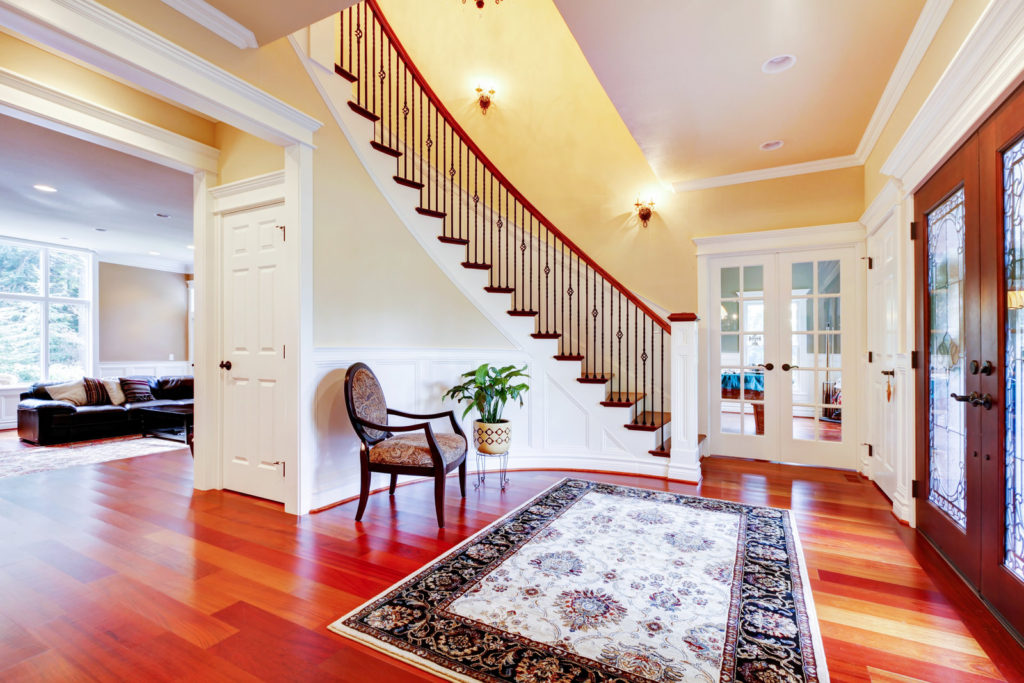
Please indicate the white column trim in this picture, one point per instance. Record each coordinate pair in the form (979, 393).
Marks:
(29, 100)
(215, 21)
(99, 36)
(684, 463)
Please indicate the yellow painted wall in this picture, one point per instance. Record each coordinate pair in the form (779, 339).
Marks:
(143, 314)
(32, 62)
(962, 16)
(243, 155)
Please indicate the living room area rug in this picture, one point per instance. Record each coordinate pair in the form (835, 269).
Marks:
(599, 582)
(32, 459)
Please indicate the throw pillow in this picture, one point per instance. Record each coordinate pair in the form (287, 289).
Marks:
(114, 391)
(136, 390)
(72, 392)
(95, 392)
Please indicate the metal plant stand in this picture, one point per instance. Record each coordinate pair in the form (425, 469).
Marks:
(481, 468)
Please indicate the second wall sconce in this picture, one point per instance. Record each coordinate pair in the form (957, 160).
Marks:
(644, 210)
(484, 99)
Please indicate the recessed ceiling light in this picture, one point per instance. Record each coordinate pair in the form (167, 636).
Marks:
(771, 145)
(154, 253)
(100, 229)
(163, 215)
(190, 246)
(778, 64)
(44, 188)
(66, 239)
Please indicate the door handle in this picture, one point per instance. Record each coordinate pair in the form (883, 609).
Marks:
(965, 398)
(767, 366)
(985, 401)
(889, 373)
(226, 365)
(787, 367)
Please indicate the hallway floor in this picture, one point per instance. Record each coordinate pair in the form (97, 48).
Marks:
(120, 571)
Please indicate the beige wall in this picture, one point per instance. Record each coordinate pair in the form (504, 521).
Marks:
(244, 156)
(49, 69)
(143, 314)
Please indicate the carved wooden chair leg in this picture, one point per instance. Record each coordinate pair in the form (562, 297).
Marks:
(462, 478)
(394, 480)
(439, 498)
(364, 492)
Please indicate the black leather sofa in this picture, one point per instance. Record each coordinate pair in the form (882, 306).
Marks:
(43, 421)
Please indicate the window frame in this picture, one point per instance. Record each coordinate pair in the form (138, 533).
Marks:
(89, 292)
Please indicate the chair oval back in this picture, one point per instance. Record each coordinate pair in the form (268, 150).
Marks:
(364, 399)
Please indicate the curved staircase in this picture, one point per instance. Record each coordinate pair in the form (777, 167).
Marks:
(601, 342)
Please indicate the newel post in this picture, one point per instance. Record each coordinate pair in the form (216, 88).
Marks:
(684, 462)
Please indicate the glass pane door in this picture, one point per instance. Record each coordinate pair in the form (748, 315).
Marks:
(741, 348)
(815, 391)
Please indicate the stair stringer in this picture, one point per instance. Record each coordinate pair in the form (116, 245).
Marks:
(610, 446)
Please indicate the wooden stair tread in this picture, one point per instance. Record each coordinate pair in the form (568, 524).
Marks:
(476, 266)
(594, 379)
(569, 356)
(363, 111)
(523, 314)
(546, 335)
(430, 212)
(408, 183)
(384, 149)
(664, 450)
(498, 290)
(622, 399)
(453, 240)
(347, 75)
(649, 421)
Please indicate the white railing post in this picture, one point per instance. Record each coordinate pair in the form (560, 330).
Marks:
(684, 463)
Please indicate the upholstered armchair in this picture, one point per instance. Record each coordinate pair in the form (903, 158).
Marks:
(415, 450)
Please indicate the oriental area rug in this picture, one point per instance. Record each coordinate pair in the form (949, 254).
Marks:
(598, 582)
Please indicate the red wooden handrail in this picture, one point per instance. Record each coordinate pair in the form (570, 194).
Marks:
(439, 105)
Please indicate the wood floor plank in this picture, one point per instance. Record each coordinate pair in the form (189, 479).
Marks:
(119, 571)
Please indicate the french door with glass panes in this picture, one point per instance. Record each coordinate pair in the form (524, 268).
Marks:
(778, 349)
(970, 307)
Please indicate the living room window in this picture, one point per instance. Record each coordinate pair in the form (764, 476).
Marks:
(46, 296)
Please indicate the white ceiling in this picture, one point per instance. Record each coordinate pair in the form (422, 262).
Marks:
(686, 78)
(98, 189)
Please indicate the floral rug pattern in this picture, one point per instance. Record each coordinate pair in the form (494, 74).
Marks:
(42, 459)
(598, 582)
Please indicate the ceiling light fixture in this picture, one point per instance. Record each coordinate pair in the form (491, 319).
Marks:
(154, 253)
(100, 229)
(771, 145)
(44, 188)
(190, 246)
(480, 3)
(644, 210)
(484, 99)
(778, 64)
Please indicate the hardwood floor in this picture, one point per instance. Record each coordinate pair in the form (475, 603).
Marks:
(119, 571)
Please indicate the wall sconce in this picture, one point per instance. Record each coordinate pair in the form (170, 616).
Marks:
(484, 99)
(644, 210)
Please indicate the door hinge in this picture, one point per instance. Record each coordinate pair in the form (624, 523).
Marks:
(871, 261)
(913, 360)
(284, 351)
(284, 232)
(913, 230)
(283, 465)
(871, 357)
(871, 449)
(915, 488)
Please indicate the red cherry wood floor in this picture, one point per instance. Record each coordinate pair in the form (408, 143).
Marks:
(120, 571)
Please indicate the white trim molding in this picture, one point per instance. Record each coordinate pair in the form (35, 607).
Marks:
(262, 190)
(928, 23)
(99, 36)
(790, 239)
(215, 21)
(884, 204)
(986, 67)
(28, 100)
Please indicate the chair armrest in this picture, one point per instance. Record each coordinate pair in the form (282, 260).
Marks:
(450, 414)
(44, 406)
(425, 427)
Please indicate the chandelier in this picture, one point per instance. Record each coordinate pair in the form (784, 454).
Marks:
(480, 3)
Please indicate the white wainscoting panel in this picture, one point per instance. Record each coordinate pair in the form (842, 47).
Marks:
(9, 397)
(157, 368)
(551, 430)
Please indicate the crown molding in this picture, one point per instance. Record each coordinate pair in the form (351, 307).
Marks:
(110, 42)
(882, 206)
(215, 21)
(261, 190)
(985, 68)
(803, 168)
(26, 99)
(928, 23)
(789, 239)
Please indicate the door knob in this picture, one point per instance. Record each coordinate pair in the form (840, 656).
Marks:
(225, 364)
(985, 401)
(787, 367)
(767, 366)
(988, 368)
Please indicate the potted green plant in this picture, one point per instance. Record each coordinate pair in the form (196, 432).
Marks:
(488, 389)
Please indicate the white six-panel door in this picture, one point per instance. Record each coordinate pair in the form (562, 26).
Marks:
(781, 353)
(257, 391)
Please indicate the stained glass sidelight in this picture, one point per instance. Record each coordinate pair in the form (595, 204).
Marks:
(1013, 198)
(947, 481)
